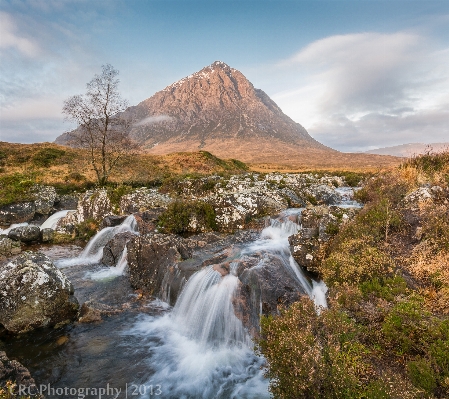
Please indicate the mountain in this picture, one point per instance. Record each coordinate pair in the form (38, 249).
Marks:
(218, 110)
(408, 150)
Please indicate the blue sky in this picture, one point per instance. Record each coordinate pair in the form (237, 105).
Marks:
(357, 74)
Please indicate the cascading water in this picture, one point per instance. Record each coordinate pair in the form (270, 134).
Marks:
(113, 271)
(13, 226)
(93, 251)
(53, 220)
(201, 349)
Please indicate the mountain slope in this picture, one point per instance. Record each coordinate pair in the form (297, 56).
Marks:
(217, 109)
(409, 150)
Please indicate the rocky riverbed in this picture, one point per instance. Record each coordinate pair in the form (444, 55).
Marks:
(116, 311)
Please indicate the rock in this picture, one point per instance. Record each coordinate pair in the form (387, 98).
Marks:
(66, 202)
(47, 235)
(149, 257)
(147, 221)
(8, 247)
(17, 213)
(34, 293)
(264, 288)
(25, 233)
(143, 199)
(112, 221)
(319, 224)
(89, 314)
(15, 372)
(45, 197)
(324, 194)
(114, 248)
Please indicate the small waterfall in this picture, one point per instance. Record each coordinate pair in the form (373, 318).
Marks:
(93, 251)
(13, 226)
(206, 312)
(53, 220)
(108, 273)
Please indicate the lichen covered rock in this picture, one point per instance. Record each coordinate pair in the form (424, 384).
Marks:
(143, 199)
(25, 233)
(34, 293)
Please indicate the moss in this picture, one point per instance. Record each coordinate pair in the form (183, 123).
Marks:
(422, 375)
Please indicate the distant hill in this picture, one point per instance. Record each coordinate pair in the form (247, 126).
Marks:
(408, 150)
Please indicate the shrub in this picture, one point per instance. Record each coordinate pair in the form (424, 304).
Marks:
(384, 287)
(422, 375)
(406, 327)
(87, 229)
(47, 157)
(188, 217)
(355, 261)
(15, 188)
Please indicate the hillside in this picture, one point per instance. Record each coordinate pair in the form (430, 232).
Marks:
(410, 149)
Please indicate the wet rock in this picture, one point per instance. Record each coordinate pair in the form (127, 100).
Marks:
(45, 197)
(46, 235)
(8, 247)
(112, 221)
(25, 233)
(149, 257)
(17, 213)
(143, 199)
(114, 248)
(323, 194)
(34, 293)
(264, 288)
(89, 314)
(15, 372)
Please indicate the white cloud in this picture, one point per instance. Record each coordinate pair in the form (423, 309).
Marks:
(153, 119)
(9, 38)
(349, 89)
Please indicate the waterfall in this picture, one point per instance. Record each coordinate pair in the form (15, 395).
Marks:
(53, 220)
(108, 273)
(93, 251)
(206, 312)
(13, 226)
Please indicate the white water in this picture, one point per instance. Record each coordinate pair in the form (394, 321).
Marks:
(347, 198)
(93, 251)
(13, 226)
(201, 349)
(108, 273)
(53, 220)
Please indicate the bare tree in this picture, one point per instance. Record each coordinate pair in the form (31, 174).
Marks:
(102, 127)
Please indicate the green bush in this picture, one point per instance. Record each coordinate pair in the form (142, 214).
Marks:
(422, 375)
(16, 188)
(387, 288)
(47, 157)
(188, 217)
(406, 327)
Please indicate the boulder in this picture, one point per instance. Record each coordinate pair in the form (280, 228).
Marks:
(114, 248)
(66, 202)
(17, 213)
(25, 233)
(323, 194)
(264, 288)
(143, 199)
(14, 372)
(319, 224)
(147, 221)
(34, 293)
(47, 235)
(45, 198)
(112, 221)
(149, 258)
(8, 247)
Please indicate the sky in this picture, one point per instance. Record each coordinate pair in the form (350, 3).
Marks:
(357, 74)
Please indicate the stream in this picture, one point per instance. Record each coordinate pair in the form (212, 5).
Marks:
(144, 348)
